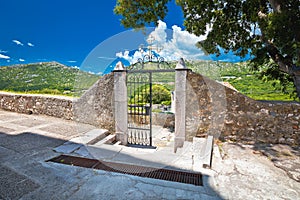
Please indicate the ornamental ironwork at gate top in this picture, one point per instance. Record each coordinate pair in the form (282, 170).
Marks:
(151, 62)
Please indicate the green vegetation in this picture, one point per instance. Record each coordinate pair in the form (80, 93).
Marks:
(268, 30)
(54, 78)
(45, 78)
(247, 81)
(141, 95)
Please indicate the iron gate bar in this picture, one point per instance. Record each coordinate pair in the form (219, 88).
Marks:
(150, 71)
(141, 133)
(139, 130)
(187, 177)
(150, 74)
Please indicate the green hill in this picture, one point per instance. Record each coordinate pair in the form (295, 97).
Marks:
(45, 78)
(55, 78)
(245, 80)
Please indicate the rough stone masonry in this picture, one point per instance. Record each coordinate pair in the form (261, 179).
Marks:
(211, 108)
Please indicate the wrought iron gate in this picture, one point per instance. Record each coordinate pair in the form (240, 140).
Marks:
(139, 85)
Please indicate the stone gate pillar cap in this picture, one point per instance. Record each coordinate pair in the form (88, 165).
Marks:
(181, 64)
(119, 66)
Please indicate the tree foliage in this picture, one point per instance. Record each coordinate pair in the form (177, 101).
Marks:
(142, 94)
(139, 13)
(267, 29)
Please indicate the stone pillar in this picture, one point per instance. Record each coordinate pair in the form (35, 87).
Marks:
(180, 104)
(120, 103)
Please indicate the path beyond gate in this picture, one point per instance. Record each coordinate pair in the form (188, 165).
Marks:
(139, 90)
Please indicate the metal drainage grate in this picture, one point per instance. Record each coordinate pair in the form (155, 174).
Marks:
(148, 172)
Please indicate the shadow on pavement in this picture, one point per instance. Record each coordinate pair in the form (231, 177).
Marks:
(24, 172)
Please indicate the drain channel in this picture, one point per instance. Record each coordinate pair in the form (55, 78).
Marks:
(147, 172)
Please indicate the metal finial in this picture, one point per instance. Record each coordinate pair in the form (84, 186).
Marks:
(180, 64)
(119, 66)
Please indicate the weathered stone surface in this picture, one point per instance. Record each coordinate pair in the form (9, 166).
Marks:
(95, 107)
(211, 108)
(257, 176)
(37, 104)
(227, 114)
(165, 120)
(284, 157)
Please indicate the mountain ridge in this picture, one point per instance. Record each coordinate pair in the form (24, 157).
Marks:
(46, 78)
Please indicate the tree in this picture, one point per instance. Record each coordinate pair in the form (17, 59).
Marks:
(159, 94)
(267, 29)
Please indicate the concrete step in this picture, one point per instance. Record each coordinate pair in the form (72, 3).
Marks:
(91, 137)
(108, 139)
(67, 147)
(185, 149)
(202, 152)
(76, 145)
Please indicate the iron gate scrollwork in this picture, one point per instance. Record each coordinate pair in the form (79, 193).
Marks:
(139, 86)
(139, 108)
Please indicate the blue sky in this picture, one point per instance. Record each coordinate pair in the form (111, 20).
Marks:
(86, 34)
(64, 31)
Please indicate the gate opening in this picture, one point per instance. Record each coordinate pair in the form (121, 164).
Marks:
(149, 87)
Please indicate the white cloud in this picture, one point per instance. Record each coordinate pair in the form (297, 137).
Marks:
(124, 55)
(4, 56)
(159, 34)
(71, 61)
(18, 42)
(106, 58)
(181, 45)
(30, 44)
(1, 51)
(133, 58)
(21, 60)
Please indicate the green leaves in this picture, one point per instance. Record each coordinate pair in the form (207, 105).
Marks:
(137, 14)
(241, 26)
(159, 94)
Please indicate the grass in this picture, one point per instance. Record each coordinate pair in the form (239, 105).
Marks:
(56, 79)
(45, 78)
(241, 77)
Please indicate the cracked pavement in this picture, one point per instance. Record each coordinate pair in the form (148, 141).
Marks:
(27, 141)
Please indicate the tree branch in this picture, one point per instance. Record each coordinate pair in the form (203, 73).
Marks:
(275, 5)
(284, 65)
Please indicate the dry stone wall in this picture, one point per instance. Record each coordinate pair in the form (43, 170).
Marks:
(211, 108)
(37, 104)
(225, 113)
(96, 105)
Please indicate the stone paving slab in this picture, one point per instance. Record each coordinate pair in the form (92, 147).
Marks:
(6, 130)
(14, 185)
(9, 117)
(28, 141)
(244, 174)
(67, 147)
(238, 171)
(29, 122)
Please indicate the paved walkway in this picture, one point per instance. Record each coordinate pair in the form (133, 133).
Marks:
(27, 141)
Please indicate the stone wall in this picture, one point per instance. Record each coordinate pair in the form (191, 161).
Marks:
(37, 104)
(220, 111)
(95, 107)
(166, 120)
(211, 108)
